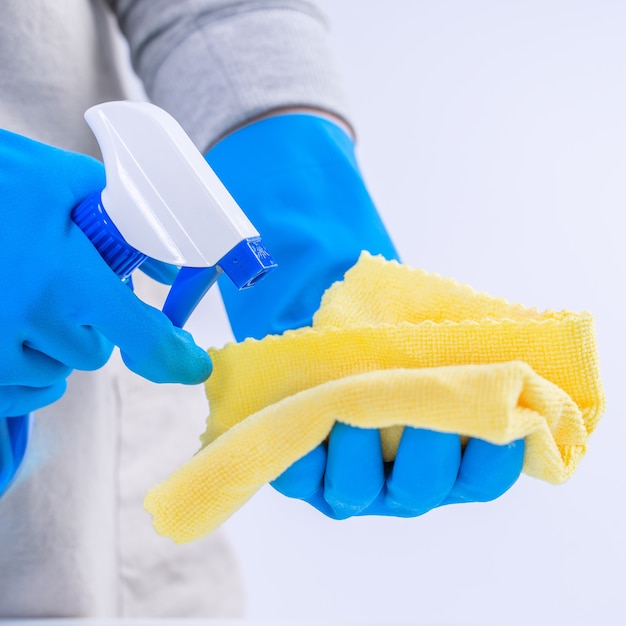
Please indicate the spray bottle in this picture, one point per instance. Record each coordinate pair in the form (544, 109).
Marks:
(161, 200)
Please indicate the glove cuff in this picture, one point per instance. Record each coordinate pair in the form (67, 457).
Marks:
(297, 179)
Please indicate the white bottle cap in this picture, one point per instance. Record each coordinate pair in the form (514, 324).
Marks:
(160, 193)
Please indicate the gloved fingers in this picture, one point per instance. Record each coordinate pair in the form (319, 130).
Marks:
(355, 473)
(305, 477)
(304, 480)
(75, 345)
(25, 366)
(66, 177)
(424, 471)
(318, 502)
(18, 400)
(83, 175)
(150, 344)
(164, 273)
(487, 471)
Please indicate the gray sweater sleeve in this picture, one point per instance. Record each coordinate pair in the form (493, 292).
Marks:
(215, 64)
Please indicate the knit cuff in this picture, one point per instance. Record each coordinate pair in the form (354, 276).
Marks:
(217, 70)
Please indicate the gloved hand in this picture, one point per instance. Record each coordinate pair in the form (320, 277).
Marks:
(297, 179)
(63, 308)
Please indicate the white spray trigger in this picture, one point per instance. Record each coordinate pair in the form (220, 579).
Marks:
(160, 193)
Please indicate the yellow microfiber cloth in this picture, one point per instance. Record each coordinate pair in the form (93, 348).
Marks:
(390, 346)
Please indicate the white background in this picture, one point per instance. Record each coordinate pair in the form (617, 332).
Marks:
(492, 135)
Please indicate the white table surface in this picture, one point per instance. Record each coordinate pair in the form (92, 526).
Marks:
(193, 622)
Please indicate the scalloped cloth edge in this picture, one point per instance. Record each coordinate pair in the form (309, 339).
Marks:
(390, 346)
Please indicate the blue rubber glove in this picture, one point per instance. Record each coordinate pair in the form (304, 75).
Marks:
(63, 308)
(164, 273)
(297, 179)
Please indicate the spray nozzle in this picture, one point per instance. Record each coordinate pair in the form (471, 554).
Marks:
(162, 200)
